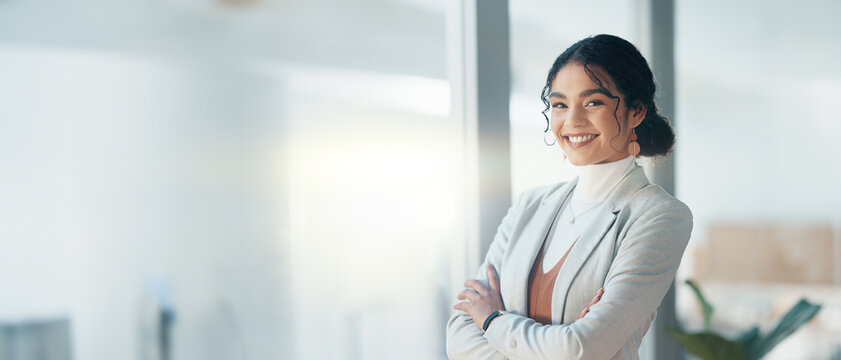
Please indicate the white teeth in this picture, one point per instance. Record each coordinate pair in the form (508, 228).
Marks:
(581, 138)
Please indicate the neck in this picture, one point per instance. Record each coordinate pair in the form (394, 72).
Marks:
(596, 181)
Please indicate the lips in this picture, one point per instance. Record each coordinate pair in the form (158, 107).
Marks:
(576, 141)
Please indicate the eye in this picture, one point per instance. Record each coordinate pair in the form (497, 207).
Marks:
(559, 105)
(594, 103)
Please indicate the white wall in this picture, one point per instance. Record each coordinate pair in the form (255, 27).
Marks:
(160, 150)
(758, 113)
(757, 91)
(120, 170)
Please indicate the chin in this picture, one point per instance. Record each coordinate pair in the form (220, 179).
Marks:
(578, 162)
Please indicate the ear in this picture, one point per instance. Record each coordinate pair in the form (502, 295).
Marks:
(636, 113)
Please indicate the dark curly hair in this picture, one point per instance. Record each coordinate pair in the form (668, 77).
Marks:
(632, 76)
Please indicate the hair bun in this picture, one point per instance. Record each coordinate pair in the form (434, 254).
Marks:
(655, 136)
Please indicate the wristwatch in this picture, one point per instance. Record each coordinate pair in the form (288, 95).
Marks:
(490, 318)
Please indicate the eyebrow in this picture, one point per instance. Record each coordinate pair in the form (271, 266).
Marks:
(583, 93)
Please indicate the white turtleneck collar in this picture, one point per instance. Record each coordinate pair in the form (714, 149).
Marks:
(596, 181)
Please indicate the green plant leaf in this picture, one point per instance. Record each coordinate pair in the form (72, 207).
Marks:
(799, 314)
(706, 308)
(708, 346)
(747, 338)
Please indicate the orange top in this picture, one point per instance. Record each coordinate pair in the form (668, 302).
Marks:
(541, 286)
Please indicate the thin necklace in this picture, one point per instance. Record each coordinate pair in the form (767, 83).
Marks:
(572, 222)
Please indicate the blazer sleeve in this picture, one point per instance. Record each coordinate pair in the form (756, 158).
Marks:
(641, 273)
(464, 339)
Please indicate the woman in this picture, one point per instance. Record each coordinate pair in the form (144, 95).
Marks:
(578, 269)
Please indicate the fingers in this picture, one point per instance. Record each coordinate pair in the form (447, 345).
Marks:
(469, 294)
(477, 296)
(592, 302)
(477, 286)
(583, 312)
(493, 278)
(597, 297)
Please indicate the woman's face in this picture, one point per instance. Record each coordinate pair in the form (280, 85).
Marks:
(582, 116)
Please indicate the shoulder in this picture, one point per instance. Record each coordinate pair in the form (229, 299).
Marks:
(652, 211)
(651, 199)
(537, 195)
(636, 197)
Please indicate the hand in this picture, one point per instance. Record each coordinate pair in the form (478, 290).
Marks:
(481, 300)
(592, 302)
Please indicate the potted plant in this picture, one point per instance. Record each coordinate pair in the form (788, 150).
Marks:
(750, 344)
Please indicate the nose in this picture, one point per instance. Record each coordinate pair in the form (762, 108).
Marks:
(576, 116)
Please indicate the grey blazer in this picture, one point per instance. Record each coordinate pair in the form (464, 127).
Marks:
(633, 250)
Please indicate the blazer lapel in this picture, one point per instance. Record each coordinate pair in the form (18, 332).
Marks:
(633, 182)
(582, 249)
(530, 240)
(605, 218)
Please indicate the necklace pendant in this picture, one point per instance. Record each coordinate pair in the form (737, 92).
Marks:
(571, 222)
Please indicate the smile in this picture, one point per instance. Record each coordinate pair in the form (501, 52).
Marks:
(577, 141)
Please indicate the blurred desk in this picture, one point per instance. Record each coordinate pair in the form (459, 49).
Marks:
(35, 340)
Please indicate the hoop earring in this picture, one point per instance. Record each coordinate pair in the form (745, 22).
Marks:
(633, 147)
(546, 135)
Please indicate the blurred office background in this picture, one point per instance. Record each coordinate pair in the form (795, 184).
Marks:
(286, 179)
